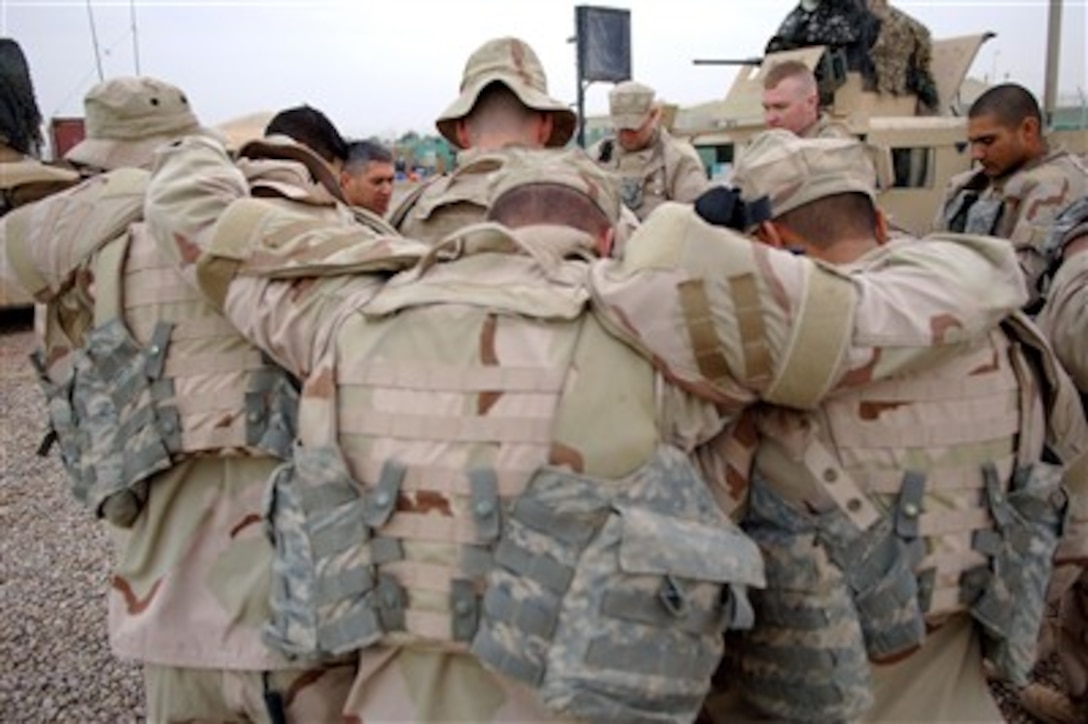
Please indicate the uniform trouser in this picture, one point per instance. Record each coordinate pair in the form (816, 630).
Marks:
(397, 685)
(288, 696)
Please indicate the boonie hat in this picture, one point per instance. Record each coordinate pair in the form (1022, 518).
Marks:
(127, 118)
(793, 171)
(513, 63)
(30, 170)
(629, 103)
(573, 168)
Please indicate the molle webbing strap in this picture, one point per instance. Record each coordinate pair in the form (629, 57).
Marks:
(108, 271)
(450, 429)
(821, 333)
(446, 479)
(705, 343)
(455, 379)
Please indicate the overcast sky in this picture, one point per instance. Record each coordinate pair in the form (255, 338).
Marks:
(391, 66)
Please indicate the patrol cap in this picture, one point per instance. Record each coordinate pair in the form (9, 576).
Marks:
(572, 168)
(513, 63)
(793, 171)
(127, 118)
(629, 103)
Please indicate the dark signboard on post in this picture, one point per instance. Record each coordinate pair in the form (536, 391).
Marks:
(603, 36)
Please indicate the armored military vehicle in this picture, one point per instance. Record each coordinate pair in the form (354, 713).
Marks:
(917, 150)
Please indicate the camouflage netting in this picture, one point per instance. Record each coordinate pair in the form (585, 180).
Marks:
(890, 49)
(20, 119)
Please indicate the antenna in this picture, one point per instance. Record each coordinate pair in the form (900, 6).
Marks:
(94, 39)
(135, 38)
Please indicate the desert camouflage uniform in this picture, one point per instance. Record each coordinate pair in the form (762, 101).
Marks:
(1019, 207)
(826, 127)
(1064, 319)
(668, 169)
(745, 309)
(871, 510)
(189, 583)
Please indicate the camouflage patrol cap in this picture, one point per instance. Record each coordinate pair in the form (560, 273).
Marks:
(513, 63)
(794, 171)
(629, 103)
(127, 118)
(573, 168)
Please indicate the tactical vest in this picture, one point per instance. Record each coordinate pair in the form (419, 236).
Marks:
(137, 370)
(450, 202)
(936, 501)
(405, 520)
(644, 182)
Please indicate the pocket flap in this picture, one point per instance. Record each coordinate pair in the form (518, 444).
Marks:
(656, 544)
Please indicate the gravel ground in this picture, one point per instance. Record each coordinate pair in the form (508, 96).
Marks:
(55, 663)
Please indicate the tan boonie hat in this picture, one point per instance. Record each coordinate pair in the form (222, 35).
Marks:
(794, 171)
(128, 118)
(629, 103)
(573, 168)
(513, 63)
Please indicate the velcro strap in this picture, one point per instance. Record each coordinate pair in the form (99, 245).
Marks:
(572, 530)
(821, 334)
(465, 605)
(840, 486)
(382, 501)
(486, 508)
(705, 344)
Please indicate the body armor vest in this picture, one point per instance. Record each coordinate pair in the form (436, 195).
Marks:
(424, 551)
(936, 501)
(137, 369)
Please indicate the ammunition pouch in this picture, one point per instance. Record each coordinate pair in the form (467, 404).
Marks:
(323, 589)
(1029, 521)
(836, 598)
(112, 418)
(611, 598)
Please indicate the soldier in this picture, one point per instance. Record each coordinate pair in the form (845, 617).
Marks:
(367, 176)
(475, 378)
(791, 101)
(1021, 183)
(168, 422)
(907, 525)
(653, 166)
(1064, 319)
(313, 129)
(503, 104)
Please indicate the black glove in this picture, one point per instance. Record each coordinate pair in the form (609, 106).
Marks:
(723, 206)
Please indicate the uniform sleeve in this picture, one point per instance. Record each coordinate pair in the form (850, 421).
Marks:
(733, 321)
(266, 267)
(1065, 316)
(1033, 200)
(688, 175)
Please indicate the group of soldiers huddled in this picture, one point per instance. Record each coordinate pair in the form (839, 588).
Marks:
(546, 445)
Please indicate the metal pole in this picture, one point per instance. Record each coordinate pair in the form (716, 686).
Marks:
(94, 39)
(1053, 55)
(135, 37)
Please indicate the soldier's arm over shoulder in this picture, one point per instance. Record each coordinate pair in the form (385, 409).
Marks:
(732, 320)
